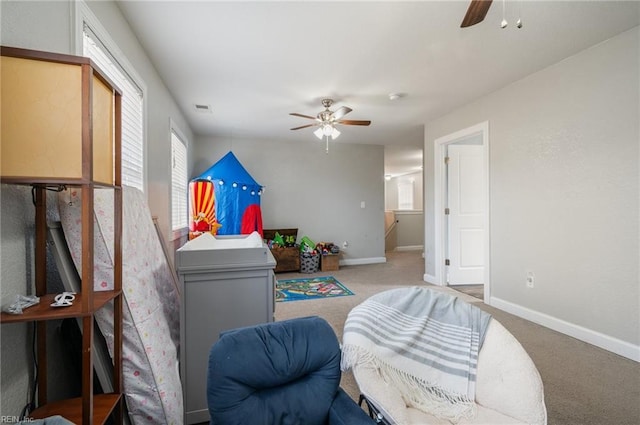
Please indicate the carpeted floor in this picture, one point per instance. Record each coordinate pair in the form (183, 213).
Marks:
(476, 291)
(584, 385)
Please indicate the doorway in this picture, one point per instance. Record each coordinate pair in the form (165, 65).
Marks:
(461, 201)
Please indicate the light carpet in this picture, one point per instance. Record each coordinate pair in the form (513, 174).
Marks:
(583, 384)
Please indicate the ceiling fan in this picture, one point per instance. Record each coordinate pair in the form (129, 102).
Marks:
(476, 12)
(327, 120)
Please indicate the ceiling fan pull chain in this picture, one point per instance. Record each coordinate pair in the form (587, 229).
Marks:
(504, 22)
(326, 150)
(519, 22)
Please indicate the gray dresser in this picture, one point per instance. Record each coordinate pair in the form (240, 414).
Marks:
(226, 283)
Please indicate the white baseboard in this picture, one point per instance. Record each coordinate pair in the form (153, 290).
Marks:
(361, 261)
(429, 278)
(590, 336)
(409, 248)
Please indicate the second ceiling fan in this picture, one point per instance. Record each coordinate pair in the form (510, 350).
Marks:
(476, 12)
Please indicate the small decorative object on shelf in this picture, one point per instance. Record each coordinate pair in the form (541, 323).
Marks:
(21, 303)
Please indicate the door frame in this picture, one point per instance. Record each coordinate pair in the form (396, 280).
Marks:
(440, 191)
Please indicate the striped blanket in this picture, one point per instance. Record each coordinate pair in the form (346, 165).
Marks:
(424, 343)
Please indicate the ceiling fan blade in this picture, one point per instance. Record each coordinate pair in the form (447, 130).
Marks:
(302, 116)
(354, 122)
(341, 112)
(476, 12)
(304, 126)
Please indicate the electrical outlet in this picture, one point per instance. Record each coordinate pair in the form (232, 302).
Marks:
(345, 245)
(530, 280)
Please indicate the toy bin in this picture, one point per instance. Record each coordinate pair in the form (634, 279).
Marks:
(309, 263)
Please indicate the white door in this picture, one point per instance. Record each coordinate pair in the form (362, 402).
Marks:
(466, 204)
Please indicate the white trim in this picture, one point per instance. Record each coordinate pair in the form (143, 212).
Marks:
(177, 234)
(409, 248)
(175, 128)
(429, 278)
(590, 336)
(84, 14)
(407, 212)
(440, 145)
(362, 261)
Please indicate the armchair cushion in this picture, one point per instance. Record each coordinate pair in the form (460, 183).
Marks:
(284, 372)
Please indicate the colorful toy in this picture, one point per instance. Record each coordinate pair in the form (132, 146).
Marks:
(278, 239)
(202, 216)
(237, 198)
(327, 248)
(289, 240)
(307, 245)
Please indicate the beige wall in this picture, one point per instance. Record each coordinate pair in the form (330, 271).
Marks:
(47, 25)
(564, 192)
(410, 230)
(320, 194)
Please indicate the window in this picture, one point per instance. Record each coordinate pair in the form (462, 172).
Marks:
(110, 62)
(405, 194)
(179, 183)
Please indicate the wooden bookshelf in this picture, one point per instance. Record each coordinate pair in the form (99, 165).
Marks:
(44, 311)
(103, 407)
(61, 127)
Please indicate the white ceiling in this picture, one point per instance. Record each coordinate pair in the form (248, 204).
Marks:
(255, 62)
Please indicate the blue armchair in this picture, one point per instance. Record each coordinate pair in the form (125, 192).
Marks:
(285, 372)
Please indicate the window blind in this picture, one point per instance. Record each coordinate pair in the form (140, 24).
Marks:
(132, 108)
(179, 183)
(405, 195)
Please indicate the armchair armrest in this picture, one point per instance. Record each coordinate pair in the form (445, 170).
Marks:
(345, 411)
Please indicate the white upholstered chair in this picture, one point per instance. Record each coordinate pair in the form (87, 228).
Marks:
(508, 389)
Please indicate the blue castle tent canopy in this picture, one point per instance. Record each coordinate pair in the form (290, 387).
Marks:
(228, 169)
(237, 196)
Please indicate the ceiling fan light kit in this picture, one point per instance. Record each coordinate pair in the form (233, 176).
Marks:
(327, 130)
(327, 120)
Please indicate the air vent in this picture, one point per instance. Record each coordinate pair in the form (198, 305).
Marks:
(203, 108)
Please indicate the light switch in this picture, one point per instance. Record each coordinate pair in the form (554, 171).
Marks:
(362, 204)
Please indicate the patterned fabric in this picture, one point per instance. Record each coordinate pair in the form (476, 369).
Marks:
(151, 302)
(424, 343)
